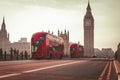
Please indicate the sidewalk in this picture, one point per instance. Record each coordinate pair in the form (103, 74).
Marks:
(117, 67)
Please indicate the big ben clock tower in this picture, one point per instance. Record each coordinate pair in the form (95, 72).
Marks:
(88, 33)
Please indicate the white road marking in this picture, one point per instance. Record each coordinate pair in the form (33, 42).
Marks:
(34, 70)
(103, 71)
(109, 71)
(9, 75)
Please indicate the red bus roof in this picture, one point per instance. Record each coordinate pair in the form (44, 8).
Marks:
(73, 45)
(37, 35)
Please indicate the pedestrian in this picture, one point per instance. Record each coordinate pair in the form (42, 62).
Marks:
(1, 53)
(21, 54)
(26, 55)
(17, 54)
(11, 53)
(5, 54)
(15, 51)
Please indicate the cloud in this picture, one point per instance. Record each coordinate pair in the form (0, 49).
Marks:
(50, 3)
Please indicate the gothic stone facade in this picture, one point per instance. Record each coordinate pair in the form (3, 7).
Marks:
(88, 33)
(65, 37)
(22, 45)
(4, 37)
(6, 45)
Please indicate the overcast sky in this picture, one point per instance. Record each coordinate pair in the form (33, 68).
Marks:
(25, 17)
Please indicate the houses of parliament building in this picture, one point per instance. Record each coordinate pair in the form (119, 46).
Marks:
(6, 45)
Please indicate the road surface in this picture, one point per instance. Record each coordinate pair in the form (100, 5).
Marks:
(76, 69)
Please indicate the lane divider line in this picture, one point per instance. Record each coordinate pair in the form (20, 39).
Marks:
(103, 72)
(39, 69)
(9, 75)
(109, 72)
(50, 67)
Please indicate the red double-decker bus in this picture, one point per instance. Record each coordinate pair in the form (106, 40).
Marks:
(46, 45)
(76, 51)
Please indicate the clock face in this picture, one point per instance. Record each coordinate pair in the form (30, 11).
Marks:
(88, 23)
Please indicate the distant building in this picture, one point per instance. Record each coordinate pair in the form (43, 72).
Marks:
(22, 45)
(97, 52)
(88, 33)
(23, 40)
(104, 53)
(4, 37)
(107, 52)
(6, 45)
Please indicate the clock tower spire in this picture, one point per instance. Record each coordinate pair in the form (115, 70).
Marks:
(88, 32)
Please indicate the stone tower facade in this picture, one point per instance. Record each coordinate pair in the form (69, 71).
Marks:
(4, 37)
(65, 37)
(88, 33)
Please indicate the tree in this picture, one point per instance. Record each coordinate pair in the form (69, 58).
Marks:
(117, 53)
